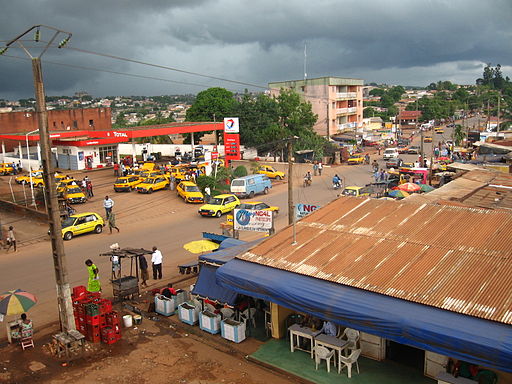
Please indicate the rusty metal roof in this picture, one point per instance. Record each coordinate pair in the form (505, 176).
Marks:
(455, 258)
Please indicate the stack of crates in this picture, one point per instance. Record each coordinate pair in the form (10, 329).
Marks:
(94, 317)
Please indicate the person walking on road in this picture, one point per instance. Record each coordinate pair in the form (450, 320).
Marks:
(156, 261)
(93, 283)
(320, 167)
(90, 192)
(11, 239)
(108, 204)
(144, 274)
(112, 221)
(315, 168)
(116, 170)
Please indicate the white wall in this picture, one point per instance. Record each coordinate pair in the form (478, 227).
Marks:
(165, 149)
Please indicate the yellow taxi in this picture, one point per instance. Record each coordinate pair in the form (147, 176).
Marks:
(189, 192)
(25, 179)
(6, 169)
(271, 172)
(439, 130)
(61, 185)
(73, 194)
(81, 223)
(355, 159)
(152, 184)
(150, 173)
(356, 191)
(427, 139)
(219, 205)
(39, 182)
(258, 205)
(127, 183)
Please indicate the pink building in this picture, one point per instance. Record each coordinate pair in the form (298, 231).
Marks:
(337, 101)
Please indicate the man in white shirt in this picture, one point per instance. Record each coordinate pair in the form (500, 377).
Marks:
(156, 261)
(108, 203)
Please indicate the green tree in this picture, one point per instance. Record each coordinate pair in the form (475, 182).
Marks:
(121, 121)
(458, 134)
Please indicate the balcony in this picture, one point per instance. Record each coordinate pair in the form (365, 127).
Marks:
(340, 111)
(346, 95)
(345, 126)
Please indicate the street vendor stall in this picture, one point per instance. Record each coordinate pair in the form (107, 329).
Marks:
(125, 286)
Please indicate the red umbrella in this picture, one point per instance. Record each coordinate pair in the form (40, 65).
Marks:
(409, 187)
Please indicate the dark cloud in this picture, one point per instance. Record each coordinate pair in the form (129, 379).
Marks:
(257, 42)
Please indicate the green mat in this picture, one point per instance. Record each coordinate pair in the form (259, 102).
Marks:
(277, 353)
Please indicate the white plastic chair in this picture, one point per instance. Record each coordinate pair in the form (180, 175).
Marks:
(352, 336)
(349, 360)
(322, 353)
(227, 313)
(197, 304)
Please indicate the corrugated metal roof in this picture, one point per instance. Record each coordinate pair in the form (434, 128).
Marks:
(455, 258)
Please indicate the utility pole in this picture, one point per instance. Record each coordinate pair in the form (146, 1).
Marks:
(499, 112)
(67, 322)
(291, 207)
(488, 115)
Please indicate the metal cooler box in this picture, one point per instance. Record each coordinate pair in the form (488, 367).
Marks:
(209, 322)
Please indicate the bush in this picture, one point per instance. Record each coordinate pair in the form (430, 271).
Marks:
(240, 171)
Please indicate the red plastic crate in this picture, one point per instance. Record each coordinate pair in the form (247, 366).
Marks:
(93, 338)
(93, 320)
(103, 320)
(105, 306)
(112, 318)
(79, 291)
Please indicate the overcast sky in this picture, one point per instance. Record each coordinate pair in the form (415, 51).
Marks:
(408, 42)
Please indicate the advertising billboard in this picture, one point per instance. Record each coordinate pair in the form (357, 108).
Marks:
(252, 220)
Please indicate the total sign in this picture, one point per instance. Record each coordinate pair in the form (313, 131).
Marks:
(302, 210)
(252, 220)
(231, 125)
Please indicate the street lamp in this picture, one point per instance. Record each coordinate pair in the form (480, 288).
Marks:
(29, 167)
(67, 322)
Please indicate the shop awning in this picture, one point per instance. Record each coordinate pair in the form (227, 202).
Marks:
(471, 339)
(206, 287)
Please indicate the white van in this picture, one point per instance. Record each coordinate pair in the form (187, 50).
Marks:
(390, 153)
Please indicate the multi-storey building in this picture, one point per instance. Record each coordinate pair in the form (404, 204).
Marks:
(337, 101)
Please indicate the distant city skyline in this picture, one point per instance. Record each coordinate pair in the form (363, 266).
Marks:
(394, 42)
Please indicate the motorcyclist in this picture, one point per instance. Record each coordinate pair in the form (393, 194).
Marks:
(336, 182)
(307, 178)
(375, 166)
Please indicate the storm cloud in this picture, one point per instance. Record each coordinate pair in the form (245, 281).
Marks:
(255, 42)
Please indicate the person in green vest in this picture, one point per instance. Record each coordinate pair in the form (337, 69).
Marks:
(93, 284)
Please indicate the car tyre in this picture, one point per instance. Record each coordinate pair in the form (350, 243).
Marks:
(132, 187)
(251, 194)
(68, 235)
(98, 229)
(150, 191)
(265, 191)
(218, 214)
(278, 177)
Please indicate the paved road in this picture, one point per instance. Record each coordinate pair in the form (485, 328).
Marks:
(159, 219)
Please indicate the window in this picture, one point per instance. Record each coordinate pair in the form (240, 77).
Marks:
(54, 124)
(91, 123)
(250, 181)
(108, 154)
(75, 124)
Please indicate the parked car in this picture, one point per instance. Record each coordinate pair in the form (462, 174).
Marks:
(427, 139)
(74, 194)
(189, 192)
(394, 162)
(219, 205)
(81, 223)
(152, 184)
(402, 149)
(6, 169)
(413, 150)
(250, 185)
(258, 205)
(127, 183)
(356, 191)
(356, 159)
(25, 179)
(390, 153)
(270, 172)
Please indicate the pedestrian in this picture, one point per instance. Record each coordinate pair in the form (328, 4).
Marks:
(156, 262)
(144, 274)
(90, 192)
(84, 185)
(172, 185)
(375, 166)
(382, 175)
(116, 169)
(108, 203)
(93, 283)
(376, 175)
(315, 168)
(11, 239)
(112, 221)
(320, 167)
(116, 267)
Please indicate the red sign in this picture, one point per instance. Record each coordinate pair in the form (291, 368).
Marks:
(232, 146)
(215, 155)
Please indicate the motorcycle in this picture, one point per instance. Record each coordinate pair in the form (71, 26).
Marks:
(336, 185)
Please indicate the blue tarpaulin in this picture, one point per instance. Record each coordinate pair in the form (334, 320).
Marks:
(468, 338)
(222, 256)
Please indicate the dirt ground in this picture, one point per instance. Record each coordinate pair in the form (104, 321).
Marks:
(159, 350)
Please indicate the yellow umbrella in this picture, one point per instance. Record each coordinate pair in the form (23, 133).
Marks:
(200, 246)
